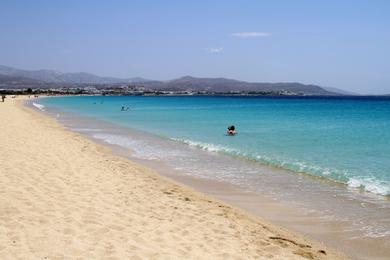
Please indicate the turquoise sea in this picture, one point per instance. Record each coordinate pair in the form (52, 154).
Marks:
(343, 139)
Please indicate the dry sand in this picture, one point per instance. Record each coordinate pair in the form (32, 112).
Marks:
(64, 197)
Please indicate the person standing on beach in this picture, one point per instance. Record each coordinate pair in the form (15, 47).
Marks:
(3, 98)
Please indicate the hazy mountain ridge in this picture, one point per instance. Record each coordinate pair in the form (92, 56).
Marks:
(41, 75)
(53, 78)
(231, 85)
(5, 79)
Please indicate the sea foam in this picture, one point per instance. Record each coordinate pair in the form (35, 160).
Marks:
(206, 146)
(115, 139)
(367, 184)
(39, 106)
(371, 185)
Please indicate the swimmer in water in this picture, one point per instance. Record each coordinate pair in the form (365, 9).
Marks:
(231, 130)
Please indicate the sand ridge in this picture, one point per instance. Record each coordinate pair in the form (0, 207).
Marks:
(64, 197)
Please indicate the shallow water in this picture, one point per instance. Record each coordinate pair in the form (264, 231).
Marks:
(343, 139)
(347, 217)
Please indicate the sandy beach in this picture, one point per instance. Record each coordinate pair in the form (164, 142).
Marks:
(66, 197)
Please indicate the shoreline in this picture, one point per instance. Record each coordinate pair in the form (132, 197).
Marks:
(88, 202)
(356, 182)
(336, 232)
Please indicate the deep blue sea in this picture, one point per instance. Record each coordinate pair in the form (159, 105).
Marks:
(343, 139)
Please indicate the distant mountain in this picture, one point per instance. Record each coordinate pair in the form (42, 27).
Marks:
(41, 75)
(231, 85)
(53, 76)
(17, 81)
(12, 78)
(83, 78)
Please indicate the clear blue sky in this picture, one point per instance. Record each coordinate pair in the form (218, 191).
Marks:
(343, 44)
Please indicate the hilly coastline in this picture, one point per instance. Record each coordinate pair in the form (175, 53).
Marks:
(12, 78)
